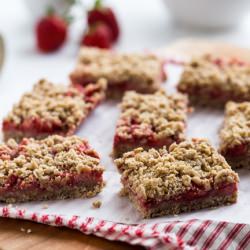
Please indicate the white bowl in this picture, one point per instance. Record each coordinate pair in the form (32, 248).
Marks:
(208, 13)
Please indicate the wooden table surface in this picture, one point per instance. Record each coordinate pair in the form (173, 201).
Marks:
(14, 236)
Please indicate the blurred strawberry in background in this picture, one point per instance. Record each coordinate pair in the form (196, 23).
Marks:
(51, 32)
(98, 35)
(51, 29)
(105, 15)
(103, 29)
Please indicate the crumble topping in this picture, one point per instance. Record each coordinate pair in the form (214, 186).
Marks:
(161, 114)
(210, 72)
(96, 204)
(159, 173)
(236, 127)
(123, 192)
(49, 104)
(47, 159)
(118, 68)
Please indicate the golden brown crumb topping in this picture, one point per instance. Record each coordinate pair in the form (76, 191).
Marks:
(118, 68)
(236, 128)
(60, 105)
(209, 72)
(158, 173)
(97, 204)
(47, 159)
(161, 114)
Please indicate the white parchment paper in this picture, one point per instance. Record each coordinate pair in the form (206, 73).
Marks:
(99, 129)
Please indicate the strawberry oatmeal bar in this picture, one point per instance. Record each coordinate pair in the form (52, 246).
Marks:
(150, 120)
(52, 109)
(53, 168)
(190, 176)
(140, 72)
(235, 134)
(210, 81)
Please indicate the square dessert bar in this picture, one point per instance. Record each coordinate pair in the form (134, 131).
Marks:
(53, 168)
(190, 176)
(140, 72)
(52, 109)
(211, 81)
(235, 134)
(150, 120)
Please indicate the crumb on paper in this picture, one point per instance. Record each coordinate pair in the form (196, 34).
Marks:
(123, 192)
(10, 206)
(97, 204)
(191, 110)
(45, 206)
(28, 231)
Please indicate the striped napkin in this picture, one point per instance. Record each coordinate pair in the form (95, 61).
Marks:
(191, 234)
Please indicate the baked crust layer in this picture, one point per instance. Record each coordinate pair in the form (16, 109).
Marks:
(53, 168)
(150, 120)
(189, 169)
(174, 208)
(235, 134)
(52, 109)
(140, 72)
(212, 81)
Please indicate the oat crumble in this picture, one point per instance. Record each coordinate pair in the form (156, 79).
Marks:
(159, 173)
(161, 113)
(50, 102)
(50, 162)
(150, 120)
(53, 108)
(214, 78)
(143, 70)
(47, 158)
(97, 204)
(236, 128)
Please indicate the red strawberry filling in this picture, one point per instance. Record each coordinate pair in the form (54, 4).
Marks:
(236, 151)
(34, 125)
(148, 137)
(225, 189)
(15, 183)
(40, 127)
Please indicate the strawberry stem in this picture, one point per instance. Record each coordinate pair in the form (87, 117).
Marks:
(50, 11)
(98, 4)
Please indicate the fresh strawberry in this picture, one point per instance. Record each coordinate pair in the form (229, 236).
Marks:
(105, 15)
(51, 32)
(98, 35)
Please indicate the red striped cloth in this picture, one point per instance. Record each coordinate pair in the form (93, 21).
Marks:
(192, 234)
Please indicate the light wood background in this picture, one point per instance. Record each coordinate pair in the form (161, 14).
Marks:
(51, 238)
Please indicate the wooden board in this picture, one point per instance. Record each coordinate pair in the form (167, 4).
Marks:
(51, 238)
